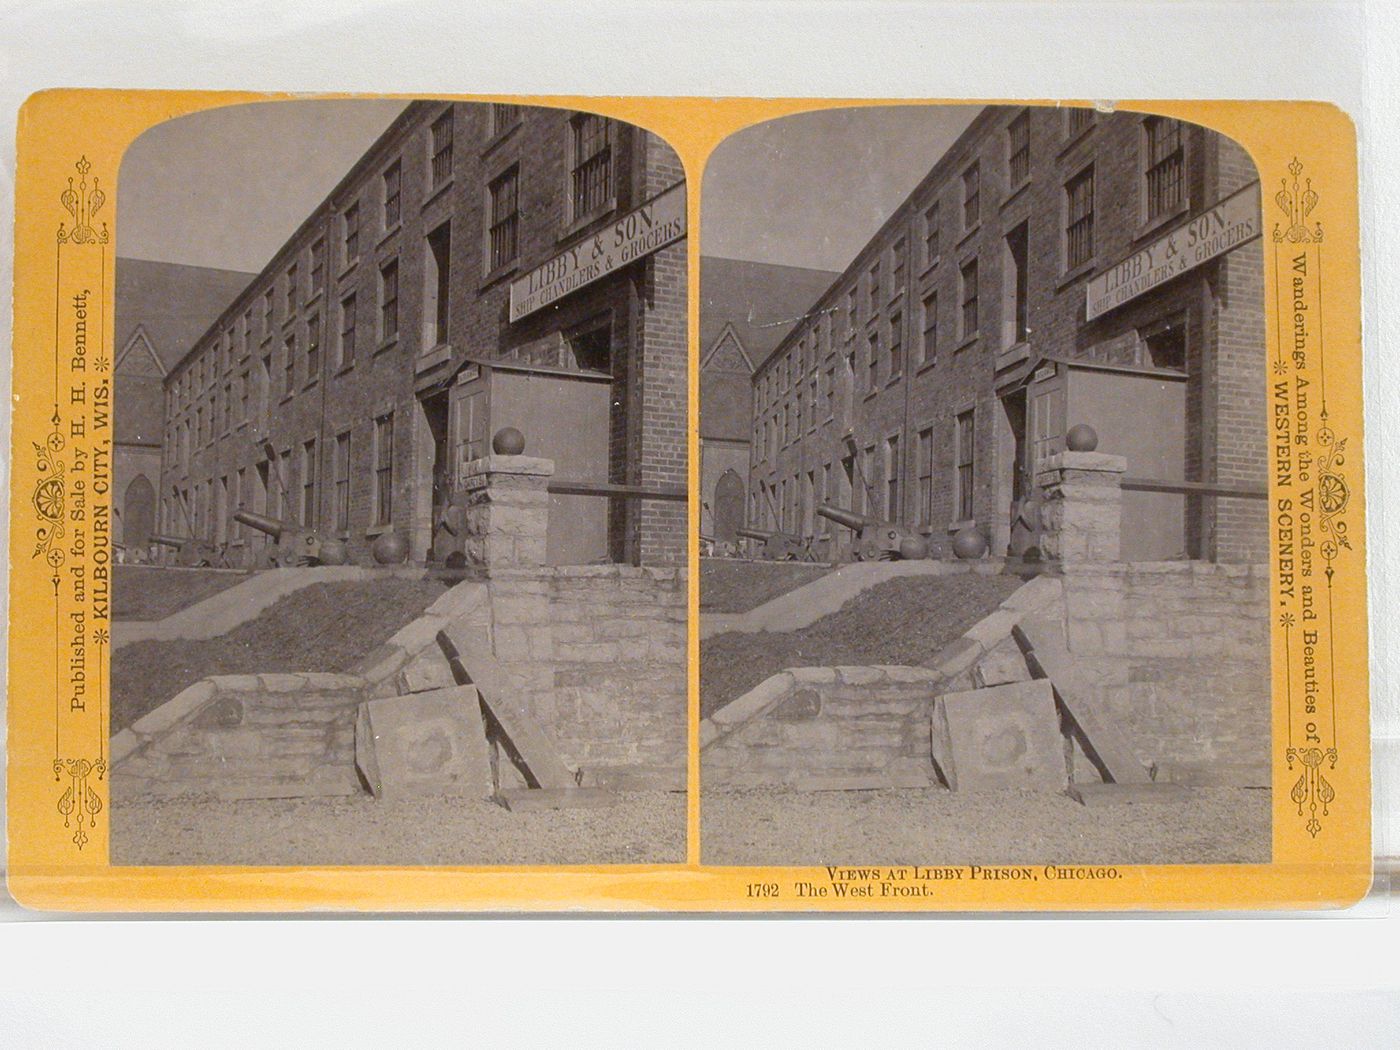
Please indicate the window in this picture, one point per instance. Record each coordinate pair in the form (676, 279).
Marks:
(437, 284)
(389, 300)
(1015, 306)
(265, 380)
(965, 477)
(972, 197)
(874, 289)
(893, 509)
(318, 266)
(850, 310)
(896, 346)
(968, 278)
(291, 290)
(898, 267)
(228, 406)
(244, 382)
(872, 378)
(392, 188)
(346, 346)
(1079, 219)
(240, 486)
(925, 467)
(590, 165)
(383, 469)
(267, 314)
(1018, 148)
(1164, 165)
(313, 349)
(1077, 121)
(290, 365)
(248, 331)
(1165, 345)
(504, 116)
(504, 243)
(342, 481)
(928, 348)
(812, 397)
(828, 392)
(350, 232)
(308, 483)
(442, 149)
(931, 234)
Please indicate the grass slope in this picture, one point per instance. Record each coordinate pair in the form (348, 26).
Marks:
(728, 586)
(323, 627)
(144, 592)
(901, 621)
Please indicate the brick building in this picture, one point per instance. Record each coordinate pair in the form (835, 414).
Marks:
(161, 309)
(1055, 267)
(481, 266)
(745, 310)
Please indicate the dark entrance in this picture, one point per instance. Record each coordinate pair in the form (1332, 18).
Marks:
(139, 519)
(729, 506)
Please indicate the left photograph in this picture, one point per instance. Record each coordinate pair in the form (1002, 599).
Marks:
(399, 496)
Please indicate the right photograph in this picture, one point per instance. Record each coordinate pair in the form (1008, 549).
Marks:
(984, 433)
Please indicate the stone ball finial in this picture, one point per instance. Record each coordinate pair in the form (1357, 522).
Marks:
(969, 544)
(508, 442)
(1082, 438)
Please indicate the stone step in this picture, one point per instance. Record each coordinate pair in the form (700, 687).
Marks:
(529, 800)
(636, 778)
(1093, 795)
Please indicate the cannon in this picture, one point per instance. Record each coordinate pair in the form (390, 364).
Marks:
(294, 545)
(191, 552)
(779, 546)
(877, 540)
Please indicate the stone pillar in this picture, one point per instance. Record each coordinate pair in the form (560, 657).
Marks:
(507, 517)
(1081, 507)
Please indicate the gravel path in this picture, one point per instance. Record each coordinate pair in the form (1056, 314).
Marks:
(642, 828)
(933, 826)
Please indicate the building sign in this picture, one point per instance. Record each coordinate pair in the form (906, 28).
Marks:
(1231, 223)
(657, 223)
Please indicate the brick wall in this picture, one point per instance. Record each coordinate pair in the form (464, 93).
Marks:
(1220, 304)
(647, 350)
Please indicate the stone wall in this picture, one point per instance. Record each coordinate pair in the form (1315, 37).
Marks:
(245, 736)
(816, 728)
(1176, 653)
(619, 646)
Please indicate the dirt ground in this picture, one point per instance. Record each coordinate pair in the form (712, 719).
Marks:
(934, 826)
(901, 621)
(642, 827)
(144, 592)
(731, 586)
(323, 627)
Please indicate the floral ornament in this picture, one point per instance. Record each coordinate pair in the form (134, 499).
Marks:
(1297, 203)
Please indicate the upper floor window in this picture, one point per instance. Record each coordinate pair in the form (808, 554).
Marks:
(898, 267)
(389, 300)
(504, 116)
(931, 245)
(291, 289)
(442, 149)
(1018, 148)
(504, 234)
(1163, 172)
(392, 190)
(972, 197)
(350, 232)
(590, 164)
(318, 266)
(1078, 119)
(874, 288)
(1079, 219)
(969, 298)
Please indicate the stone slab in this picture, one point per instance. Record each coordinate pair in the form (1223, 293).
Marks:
(424, 745)
(1093, 795)
(1105, 745)
(525, 739)
(1003, 737)
(636, 778)
(1001, 666)
(529, 800)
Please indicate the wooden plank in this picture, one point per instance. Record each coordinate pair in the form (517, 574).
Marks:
(525, 742)
(1107, 748)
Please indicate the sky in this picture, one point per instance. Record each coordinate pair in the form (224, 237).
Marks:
(227, 187)
(811, 189)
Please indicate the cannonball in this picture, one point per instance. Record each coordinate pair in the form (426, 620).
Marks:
(1082, 438)
(456, 560)
(912, 548)
(333, 552)
(508, 442)
(969, 544)
(390, 549)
